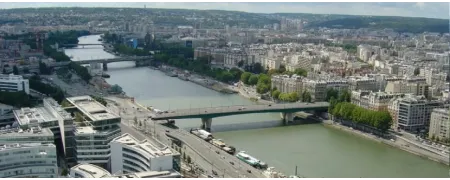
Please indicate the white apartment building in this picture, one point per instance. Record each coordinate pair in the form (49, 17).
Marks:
(14, 83)
(286, 84)
(6, 114)
(28, 160)
(272, 63)
(51, 116)
(128, 155)
(419, 89)
(362, 83)
(411, 112)
(377, 101)
(317, 89)
(92, 136)
(439, 123)
(88, 171)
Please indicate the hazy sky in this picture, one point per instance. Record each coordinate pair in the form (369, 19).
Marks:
(432, 10)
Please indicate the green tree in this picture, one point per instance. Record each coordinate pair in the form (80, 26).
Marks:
(240, 63)
(15, 70)
(245, 77)
(345, 96)
(189, 159)
(416, 71)
(331, 92)
(306, 97)
(301, 72)
(66, 103)
(276, 94)
(64, 172)
(253, 79)
(433, 137)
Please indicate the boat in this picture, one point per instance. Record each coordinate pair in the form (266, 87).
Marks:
(171, 74)
(271, 173)
(251, 160)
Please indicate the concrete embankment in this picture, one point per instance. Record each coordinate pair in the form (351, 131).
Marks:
(399, 143)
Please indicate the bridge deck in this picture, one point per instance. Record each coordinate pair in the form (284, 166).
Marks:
(211, 112)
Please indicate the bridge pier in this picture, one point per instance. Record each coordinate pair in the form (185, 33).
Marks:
(287, 117)
(105, 66)
(206, 124)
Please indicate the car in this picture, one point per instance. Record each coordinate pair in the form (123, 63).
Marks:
(239, 109)
(249, 171)
(209, 176)
(167, 131)
(214, 172)
(217, 152)
(206, 111)
(242, 107)
(166, 111)
(270, 105)
(232, 163)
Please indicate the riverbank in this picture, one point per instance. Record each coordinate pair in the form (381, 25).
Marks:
(397, 143)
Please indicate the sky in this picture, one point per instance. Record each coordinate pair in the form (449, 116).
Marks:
(413, 9)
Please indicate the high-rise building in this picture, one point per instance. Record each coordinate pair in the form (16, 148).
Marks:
(96, 126)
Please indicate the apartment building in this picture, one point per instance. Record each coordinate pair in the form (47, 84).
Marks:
(362, 83)
(52, 116)
(128, 155)
(94, 131)
(440, 123)
(286, 84)
(412, 113)
(419, 89)
(14, 83)
(317, 89)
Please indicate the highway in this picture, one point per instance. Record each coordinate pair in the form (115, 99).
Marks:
(234, 110)
(202, 153)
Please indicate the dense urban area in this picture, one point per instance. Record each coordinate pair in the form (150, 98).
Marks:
(382, 78)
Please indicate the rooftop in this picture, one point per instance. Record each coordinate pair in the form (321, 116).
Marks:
(90, 171)
(152, 148)
(5, 147)
(92, 109)
(149, 174)
(26, 116)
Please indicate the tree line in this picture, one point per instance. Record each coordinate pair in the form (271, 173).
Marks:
(341, 108)
(54, 92)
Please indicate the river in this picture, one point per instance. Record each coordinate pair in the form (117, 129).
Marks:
(318, 151)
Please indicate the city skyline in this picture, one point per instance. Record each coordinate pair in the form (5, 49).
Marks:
(416, 9)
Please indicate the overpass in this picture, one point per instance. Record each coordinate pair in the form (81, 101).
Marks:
(206, 114)
(111, 60)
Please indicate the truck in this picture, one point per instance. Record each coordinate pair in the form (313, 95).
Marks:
(220, 144)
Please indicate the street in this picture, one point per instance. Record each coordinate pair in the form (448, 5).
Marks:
(201, 152)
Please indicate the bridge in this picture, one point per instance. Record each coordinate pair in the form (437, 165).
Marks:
(82, 45)
(111, 60)
(206, 114)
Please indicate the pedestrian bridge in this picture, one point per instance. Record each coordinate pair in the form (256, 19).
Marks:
(206, 114)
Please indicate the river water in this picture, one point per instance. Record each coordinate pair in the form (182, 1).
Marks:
(318, 151)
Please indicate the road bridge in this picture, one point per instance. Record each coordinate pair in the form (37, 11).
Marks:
(136, 59)
(82, 45)
(206, 114)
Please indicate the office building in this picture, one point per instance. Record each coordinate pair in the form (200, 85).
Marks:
(53, 117)
(88, 171)
(149, 174)
(14, 83)
(28, 160)
(412, 113)
(439, 124)
(97, 127)
(129, 155)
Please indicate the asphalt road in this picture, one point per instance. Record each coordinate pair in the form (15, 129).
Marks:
(185, 113)
(202, 153)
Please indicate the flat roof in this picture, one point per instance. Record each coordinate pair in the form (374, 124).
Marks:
(149, 174)
(92, 109)
(90, 171)
(6, 147)
(153, 148)
(30, 132)
(84, 130)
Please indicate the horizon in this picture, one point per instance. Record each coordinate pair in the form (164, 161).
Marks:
(414, 10)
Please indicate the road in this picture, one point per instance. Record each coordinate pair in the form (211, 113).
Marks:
(202, 153)
(77, 86)
(243, 109)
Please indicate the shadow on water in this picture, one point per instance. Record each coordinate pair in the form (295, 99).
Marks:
(253, 125)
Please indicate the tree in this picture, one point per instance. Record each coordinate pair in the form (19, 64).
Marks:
(15, 70)
(135, 120)
(184, 155)
(345, 96)
(240, 63)
(253, 79)
(416, 71)
(257, 68)
(189, 159)
(332, 93)
(245, 77)
(66, 103)
(64, 172)
(275, 94)
(306, 97)
(433, 137)
(140, 124)
(301, 72)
